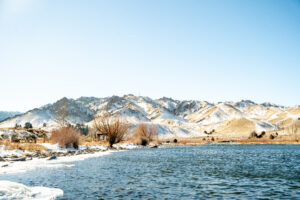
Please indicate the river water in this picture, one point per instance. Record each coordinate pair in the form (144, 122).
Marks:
(200, 172)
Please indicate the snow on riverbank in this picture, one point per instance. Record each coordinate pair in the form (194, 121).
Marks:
(127, 146)
(17, 152)
(17, 167)
(63, 161)
(57, 148)
(12, 190)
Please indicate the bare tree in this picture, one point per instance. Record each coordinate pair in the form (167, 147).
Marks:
(61, 115)
(147, 131)
(113, 127)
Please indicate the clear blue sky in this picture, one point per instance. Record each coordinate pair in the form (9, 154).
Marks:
(205, 50)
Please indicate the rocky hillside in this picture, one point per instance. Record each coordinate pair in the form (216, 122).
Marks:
(188, 118)
(5, 115)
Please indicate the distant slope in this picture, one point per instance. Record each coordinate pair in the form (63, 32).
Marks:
(188, 118)
(4, 115)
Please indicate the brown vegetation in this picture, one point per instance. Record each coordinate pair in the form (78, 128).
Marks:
(114, 128)
(65, 137)
(145, 133)
(253, 134)
(24, 147)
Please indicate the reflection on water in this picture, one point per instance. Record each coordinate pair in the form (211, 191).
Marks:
(208, 171)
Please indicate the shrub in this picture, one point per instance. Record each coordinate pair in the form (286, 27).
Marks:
(253, 134)
(175, 140)
(65, 137)
(15, 138)
(273, 136)
(261, 134)
(28, 125)
(146, 131)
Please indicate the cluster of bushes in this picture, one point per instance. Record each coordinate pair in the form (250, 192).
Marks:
(113, 128)
(253, 134)
(17, 138)
(273, 135)
(210, 132)
(262, 134)
(27, 125)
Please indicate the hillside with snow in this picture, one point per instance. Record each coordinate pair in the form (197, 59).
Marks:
(175, 118)
(5, 115)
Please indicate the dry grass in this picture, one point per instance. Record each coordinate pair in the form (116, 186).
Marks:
(25, 147)
(237, 127)
(267, 141)
(89, 141)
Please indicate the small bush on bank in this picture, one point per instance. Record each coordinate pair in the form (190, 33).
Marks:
(65, 137)
(262, 134)
(273, 136)
(175, 140)
(27, 125)
(146, 131)
(253, 134)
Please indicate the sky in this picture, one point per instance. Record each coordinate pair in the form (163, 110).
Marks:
(212, 50)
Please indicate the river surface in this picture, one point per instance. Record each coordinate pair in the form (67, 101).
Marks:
(198, 172)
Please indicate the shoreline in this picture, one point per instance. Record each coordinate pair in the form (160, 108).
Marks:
(61, 158)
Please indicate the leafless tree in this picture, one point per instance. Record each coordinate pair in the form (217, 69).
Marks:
(112, 126)
(61, 115)
(147, 131)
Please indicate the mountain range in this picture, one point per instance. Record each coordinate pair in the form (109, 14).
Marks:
(5, 115)
(175, 118)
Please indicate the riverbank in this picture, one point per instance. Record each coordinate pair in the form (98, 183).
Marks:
(54, 156)
(209, 140)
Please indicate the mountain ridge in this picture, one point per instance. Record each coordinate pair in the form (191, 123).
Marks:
(187, 118)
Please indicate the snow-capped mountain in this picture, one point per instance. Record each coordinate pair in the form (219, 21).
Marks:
(4, 115)
(188, 118)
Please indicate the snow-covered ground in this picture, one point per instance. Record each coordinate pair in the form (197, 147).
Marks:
(57, 148)
(127, 146)
(12, 190)
(65, 161)
(17, 152)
